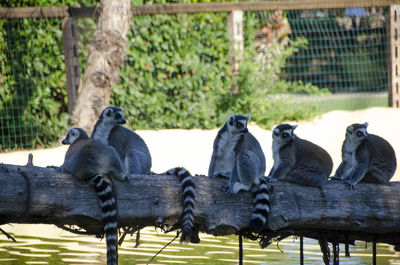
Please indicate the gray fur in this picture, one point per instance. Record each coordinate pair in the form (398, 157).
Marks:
(130, 147)
(92, 161)
(297, 160)
(237, 155)
(87, 157)
(365, 158)
(188, 194)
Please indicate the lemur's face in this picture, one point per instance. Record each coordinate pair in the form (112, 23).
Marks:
(238, 123)
(72, 136)
(356, 133)
(113, 115)
(283, 134)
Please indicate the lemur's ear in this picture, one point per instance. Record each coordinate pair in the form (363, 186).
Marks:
(109, 112)
(231, 119)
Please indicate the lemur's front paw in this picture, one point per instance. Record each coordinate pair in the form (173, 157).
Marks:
(235, 188)
(349, 185)
(92, 183)
(229, 191)
(335, 177)
(218, 174)
(269, 179)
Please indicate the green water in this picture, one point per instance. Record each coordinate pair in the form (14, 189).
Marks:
(46, 244)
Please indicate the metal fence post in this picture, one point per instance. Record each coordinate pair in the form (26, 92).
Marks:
(394, 46)
(71, 55)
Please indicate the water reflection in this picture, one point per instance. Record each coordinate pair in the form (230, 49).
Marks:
(46, 244)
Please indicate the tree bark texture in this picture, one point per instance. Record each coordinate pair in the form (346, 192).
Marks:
(335, 213)
(106, 56)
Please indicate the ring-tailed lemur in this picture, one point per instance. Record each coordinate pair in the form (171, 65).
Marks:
(188, 192)
(260, 206)
(130, 146)
(238, 155)
(365, 157)
(297, 160)
(92, 161)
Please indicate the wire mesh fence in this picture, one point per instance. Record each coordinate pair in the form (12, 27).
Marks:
(32, 81)
(347, 53)
(344, 51)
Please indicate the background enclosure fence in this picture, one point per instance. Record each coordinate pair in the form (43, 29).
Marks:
(346, 50)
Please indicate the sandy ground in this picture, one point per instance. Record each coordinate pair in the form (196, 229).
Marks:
(192, 148)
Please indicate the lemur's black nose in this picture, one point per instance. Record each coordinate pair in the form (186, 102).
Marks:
(120, 118)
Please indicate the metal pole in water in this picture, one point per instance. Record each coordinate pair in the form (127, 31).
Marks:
(374, 253)
(301, 251)
(347, 248)
(240, 249)
(335, 253)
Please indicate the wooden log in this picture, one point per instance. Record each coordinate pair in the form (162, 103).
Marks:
(42, 195)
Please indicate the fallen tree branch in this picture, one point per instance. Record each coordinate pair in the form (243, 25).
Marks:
(42, 195)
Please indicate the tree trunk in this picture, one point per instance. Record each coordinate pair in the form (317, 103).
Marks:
(334, 213)
(106, 56)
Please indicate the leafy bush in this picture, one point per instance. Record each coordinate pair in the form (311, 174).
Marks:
(33, 105)
(176, 75)
(363, 71)
(262, 92)
(176, 69)
(33, 108)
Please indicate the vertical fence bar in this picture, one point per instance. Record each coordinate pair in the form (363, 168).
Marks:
(71, 58)
(394, 46)
(235, 35)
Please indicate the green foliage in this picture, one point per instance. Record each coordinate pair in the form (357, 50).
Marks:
(361, 70)
(344, 54)
(32, 91)
(176, 70)
(176, 75)
(262, 92)
(33, 109)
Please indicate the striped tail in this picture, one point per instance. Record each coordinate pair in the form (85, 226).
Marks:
(109, 208)
(260, 212)
(188, 191)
